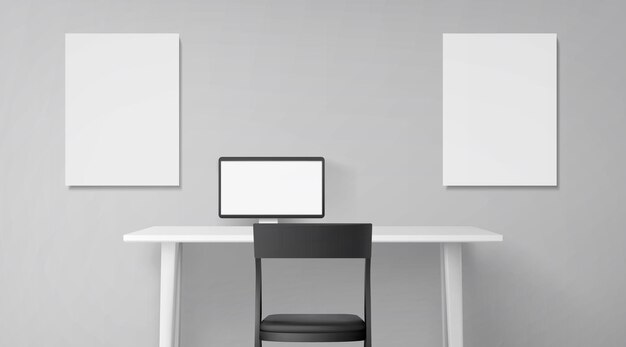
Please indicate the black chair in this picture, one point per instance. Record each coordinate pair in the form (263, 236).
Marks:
(312, 241)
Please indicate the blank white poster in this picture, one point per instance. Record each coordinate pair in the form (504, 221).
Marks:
(122, 109)
(499, 109)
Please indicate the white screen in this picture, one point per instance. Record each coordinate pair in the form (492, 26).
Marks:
(259, 188)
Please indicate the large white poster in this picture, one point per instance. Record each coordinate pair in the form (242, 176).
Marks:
(122, 109)
(499, 109)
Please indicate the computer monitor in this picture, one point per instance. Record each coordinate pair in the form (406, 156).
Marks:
(271, 187)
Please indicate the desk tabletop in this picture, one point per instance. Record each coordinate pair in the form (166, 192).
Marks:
(380, 234)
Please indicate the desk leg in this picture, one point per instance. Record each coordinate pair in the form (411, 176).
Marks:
(452, 294)
(171, 266)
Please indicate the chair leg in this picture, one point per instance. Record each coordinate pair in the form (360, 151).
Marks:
(367, 343)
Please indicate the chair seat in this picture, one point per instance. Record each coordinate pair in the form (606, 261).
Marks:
(312, 323)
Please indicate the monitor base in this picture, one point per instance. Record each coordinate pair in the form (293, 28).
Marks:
(268, 221)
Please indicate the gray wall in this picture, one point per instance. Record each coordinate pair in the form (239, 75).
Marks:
(358, 82)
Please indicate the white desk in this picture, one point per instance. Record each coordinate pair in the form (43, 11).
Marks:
(171, 239)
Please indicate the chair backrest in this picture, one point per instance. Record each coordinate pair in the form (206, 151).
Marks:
(313, 241)
(336, 240)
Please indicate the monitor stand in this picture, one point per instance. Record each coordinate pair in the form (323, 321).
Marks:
(268, 221)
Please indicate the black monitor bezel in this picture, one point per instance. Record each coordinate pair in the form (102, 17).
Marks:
(219, 186)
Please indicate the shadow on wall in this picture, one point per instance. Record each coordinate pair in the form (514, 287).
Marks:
(341, 190)
(538, 279)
